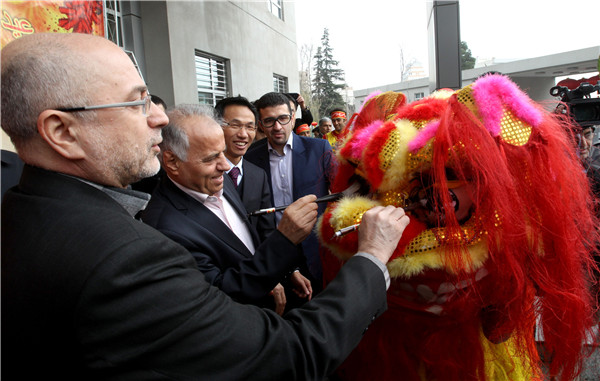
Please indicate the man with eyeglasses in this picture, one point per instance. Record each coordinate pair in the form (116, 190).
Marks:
(296, 166)
(89, 292)
(239, 123)
(197, 206)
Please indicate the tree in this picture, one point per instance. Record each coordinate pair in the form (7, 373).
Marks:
(467, 61)
(405, 65)
(328, 78)
(306, 88)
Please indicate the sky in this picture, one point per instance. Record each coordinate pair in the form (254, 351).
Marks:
(368, 37)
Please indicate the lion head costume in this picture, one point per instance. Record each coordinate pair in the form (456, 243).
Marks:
(501, 229)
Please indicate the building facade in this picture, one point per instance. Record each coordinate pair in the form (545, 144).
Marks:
(535, 76)
(203, 51)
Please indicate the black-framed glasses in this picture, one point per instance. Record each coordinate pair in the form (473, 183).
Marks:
(250, 127)
(146, 102)
(282, 119)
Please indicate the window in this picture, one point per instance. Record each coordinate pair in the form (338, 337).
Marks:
(280, 84)
(211, 78)
(113, 21)
(276, 8)
(419, 96)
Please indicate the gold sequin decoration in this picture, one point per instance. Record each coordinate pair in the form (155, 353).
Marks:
(432, 239)
(393, 197)
(389, 102)
(420, 160)
(513, 130)
(387, 154)
(465, 96)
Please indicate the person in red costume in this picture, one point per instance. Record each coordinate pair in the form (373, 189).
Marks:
(501, 213)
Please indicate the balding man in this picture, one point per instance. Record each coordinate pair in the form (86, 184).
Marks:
(88, 292)
(198, 207)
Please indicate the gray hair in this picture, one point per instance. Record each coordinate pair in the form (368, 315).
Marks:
(40, 72)
(325, 119)
(175, 138)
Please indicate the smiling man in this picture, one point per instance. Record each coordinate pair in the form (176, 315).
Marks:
(239, 122)
(197, 206)
(296, 166)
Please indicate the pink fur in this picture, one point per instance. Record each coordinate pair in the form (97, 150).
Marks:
(427, 133)
(492, 92)
(362, 137)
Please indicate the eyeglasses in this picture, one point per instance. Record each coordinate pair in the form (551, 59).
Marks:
(250, 127)
(282, 119)
(146, 102)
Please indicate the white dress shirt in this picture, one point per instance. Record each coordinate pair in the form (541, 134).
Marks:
(282, 175)
(226, 213)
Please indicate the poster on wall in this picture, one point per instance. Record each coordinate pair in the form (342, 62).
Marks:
(20, 18)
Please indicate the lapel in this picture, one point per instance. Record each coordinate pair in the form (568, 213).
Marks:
(298, 164)
(230, 193)
(247, 186)
(262, 161)
(201, 215)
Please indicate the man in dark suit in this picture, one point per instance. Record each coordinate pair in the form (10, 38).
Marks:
(88, 292)
(240, 121)
(12, 167)
(197, 206)
(295, 166)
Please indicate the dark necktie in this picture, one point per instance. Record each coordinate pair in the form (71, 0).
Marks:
(234, 173)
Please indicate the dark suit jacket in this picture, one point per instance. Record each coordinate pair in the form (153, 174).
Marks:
(221, 255)
(90, 293)
(256, 194)
(12, 166)
(311, 161)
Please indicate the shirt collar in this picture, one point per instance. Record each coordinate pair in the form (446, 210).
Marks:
(198, 196)
(131, 200)
(289, 144)
(239, 165)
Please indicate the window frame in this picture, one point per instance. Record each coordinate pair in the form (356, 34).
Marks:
(217, 73)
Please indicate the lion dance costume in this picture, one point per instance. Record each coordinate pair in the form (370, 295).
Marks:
(501, 230)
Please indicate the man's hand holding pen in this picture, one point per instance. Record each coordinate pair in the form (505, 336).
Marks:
(299, 219)
(380, 231)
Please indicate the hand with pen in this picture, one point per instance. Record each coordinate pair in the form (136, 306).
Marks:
(299, 219)
(380, 231)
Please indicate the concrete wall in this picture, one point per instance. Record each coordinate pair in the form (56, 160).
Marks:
(256, 43)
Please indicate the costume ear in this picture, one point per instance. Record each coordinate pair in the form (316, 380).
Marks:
(170, 161)
(61, 131)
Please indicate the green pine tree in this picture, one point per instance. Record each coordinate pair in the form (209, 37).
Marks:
(328, 78)
(467, 61)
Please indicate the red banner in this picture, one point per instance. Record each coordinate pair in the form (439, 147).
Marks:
(19, 18)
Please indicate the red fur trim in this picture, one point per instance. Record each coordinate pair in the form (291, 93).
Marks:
(378, 108)
(425, 109)
(341, 180)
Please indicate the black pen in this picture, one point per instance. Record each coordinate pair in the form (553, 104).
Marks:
(330, 197)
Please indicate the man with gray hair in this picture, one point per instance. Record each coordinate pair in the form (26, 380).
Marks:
(89, 292)
(324, 127)
(198, 207)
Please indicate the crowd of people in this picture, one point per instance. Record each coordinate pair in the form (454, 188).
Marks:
(154, 241)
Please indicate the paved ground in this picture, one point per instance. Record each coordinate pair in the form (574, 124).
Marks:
(591, 370)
